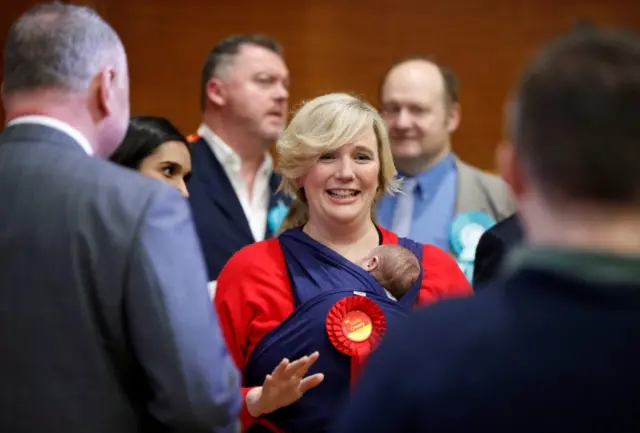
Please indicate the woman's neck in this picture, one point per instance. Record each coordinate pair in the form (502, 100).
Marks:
(350, 242)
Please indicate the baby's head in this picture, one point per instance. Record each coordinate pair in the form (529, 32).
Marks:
(395, 267)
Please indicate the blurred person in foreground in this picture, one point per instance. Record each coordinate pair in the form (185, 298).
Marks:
(105, 321)
(553, 346)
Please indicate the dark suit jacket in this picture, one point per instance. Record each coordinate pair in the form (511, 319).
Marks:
(493, 246)
(105, 320)
(220, 221)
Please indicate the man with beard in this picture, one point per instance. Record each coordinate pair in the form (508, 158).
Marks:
(244, 95)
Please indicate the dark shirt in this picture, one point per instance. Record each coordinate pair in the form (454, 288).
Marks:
(492, 248)
(550, 347)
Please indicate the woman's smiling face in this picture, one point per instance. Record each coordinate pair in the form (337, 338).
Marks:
(341, 186)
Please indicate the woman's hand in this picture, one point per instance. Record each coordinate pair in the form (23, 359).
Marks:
(284, 386)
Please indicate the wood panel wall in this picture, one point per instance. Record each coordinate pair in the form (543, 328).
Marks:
(338, 45)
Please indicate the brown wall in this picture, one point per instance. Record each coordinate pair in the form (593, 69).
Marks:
(338, 45)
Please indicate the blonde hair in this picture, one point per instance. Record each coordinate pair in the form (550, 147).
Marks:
(323, 125)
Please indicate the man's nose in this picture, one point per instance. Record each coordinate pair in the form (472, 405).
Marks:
(403, 120)
(281, 92)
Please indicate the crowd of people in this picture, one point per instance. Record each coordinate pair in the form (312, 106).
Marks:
(364, 278)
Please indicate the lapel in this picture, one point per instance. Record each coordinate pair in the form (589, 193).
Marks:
(218, 187)
(277, 203)
(469, 195)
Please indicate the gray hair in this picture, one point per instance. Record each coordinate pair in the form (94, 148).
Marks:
(57, 45)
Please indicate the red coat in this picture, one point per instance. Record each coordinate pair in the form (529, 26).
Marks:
(254, 295)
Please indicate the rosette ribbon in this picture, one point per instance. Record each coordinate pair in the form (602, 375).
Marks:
(355, 326)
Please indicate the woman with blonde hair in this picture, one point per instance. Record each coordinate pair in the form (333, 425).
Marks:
(302, 296)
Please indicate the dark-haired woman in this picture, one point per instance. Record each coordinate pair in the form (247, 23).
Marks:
(155, 147)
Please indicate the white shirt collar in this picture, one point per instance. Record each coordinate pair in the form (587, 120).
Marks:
(227, 156)
(55, 124)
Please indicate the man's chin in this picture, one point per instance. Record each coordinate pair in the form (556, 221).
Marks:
(272, 135)
(407, 148)
(406, 157)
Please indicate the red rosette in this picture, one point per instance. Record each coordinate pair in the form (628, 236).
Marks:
(355, 325)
